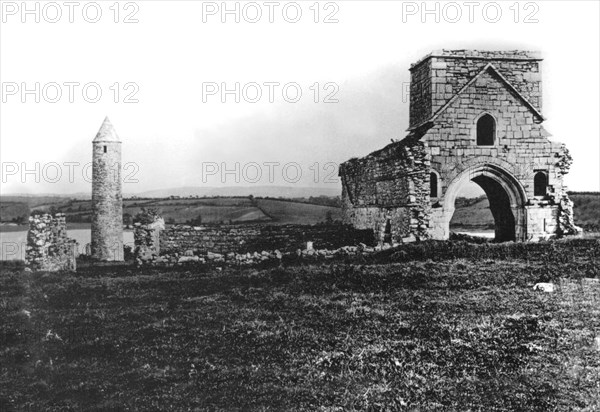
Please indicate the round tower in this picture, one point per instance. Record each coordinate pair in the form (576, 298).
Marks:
(107, 200)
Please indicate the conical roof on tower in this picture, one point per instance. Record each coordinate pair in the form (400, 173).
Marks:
(107, 132)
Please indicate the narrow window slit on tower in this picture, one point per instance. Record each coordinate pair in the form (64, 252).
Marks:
(104, 149)
(433, 185)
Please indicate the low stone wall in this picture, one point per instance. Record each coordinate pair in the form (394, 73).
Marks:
(48, 247)
(241, 242)
(256, 238)
(246, 259)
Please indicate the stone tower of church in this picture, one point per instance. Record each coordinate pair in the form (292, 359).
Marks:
(107, 200)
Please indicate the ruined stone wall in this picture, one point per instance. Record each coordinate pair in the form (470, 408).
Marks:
(146, 237)
(243, 244)
(107, 202)
(257, 238)
(48, 247)
(450, 91)
(566, 219)
(392, 185)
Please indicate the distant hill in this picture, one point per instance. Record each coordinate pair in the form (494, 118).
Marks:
(296, 212)
(475, 212)
(196, 191)
(471, 213)
(17, 207)
(35, 197)
(256, 191)
(176, 209)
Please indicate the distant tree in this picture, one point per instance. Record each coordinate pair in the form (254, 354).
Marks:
(147, 215)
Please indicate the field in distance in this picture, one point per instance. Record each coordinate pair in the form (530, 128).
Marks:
(186, 210)
(470, 214)
(475, 214)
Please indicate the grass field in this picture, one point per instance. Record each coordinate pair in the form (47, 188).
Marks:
(474, 213)
(469, 214)
(409, 329)
(295, 212)
(587, 209)
(210, 210)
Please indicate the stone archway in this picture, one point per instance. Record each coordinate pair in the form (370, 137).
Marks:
(506, 196)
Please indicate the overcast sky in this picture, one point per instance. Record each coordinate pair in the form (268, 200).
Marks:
(171, 137)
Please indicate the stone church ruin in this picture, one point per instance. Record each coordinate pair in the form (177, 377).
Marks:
(474, 115)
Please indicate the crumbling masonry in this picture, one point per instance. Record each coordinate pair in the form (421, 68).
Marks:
(48, 247)
(474, 115)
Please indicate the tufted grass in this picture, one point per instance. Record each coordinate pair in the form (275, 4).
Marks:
(426, 329)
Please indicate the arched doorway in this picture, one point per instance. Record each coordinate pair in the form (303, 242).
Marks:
(505, 194)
